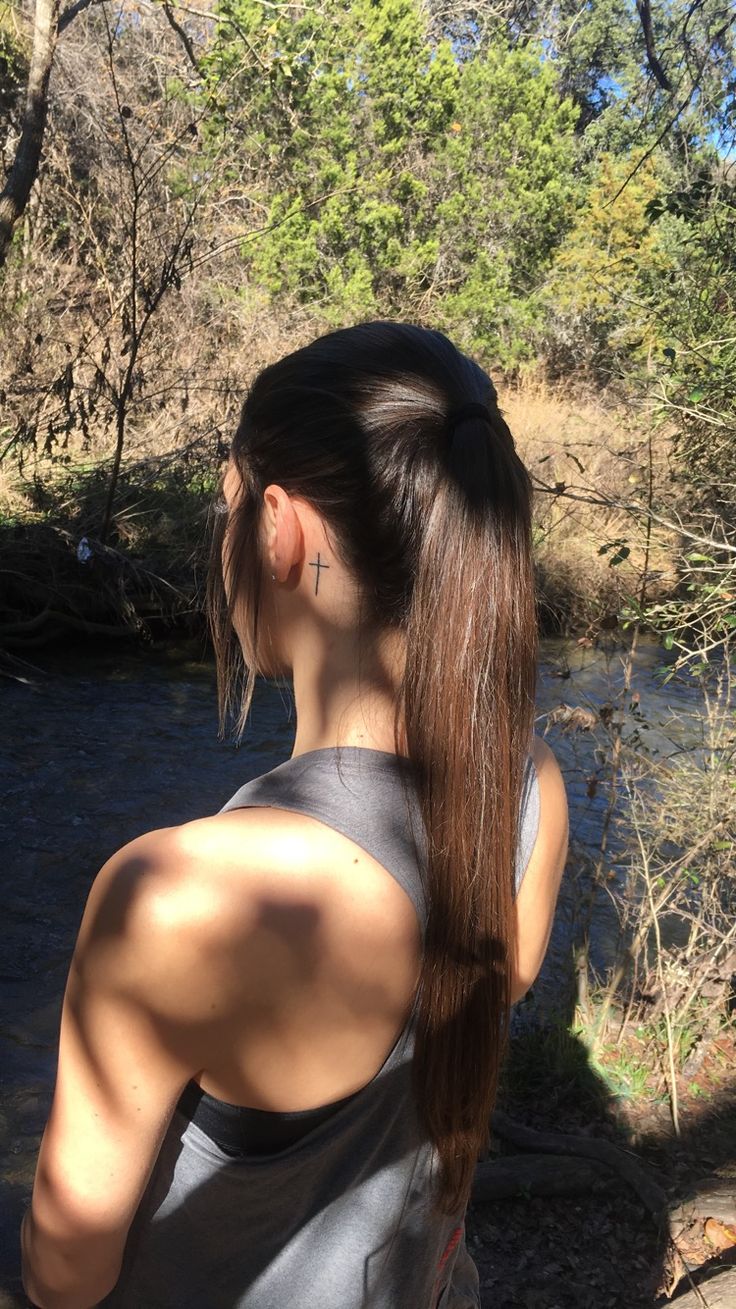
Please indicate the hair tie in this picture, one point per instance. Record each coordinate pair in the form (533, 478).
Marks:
(471, 410)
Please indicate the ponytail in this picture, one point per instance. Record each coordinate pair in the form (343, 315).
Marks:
(468, 700)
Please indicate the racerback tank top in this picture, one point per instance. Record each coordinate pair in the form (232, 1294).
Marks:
(339, 1217)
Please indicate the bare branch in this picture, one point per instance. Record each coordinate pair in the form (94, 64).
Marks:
(183, 37)
(70, 14)
(631, 507)
(645, 16)
(718, 36)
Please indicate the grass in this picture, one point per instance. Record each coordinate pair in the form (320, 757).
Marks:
(592, 444)
(564, 1066)
(551, 1064)
(626, 1074)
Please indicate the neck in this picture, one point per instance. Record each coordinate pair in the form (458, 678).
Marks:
(346, 692)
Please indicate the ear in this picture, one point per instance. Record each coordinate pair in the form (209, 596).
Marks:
(284, 539)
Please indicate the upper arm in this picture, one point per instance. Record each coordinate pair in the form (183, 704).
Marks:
(122, 1064)
(537, 896)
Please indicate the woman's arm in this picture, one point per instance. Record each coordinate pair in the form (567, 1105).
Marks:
(540, 886)
(122, 1064)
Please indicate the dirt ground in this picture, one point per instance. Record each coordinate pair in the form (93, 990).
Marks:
(602, 1249)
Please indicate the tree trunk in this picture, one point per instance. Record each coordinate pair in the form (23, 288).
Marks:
(17, 189)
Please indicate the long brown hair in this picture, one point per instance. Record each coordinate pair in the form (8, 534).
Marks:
(435, 523)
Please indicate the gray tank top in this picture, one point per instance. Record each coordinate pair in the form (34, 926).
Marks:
(343, 1218)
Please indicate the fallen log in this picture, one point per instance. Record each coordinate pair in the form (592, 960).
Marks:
(518, 1176)
(712, 1197)
(44, 626)
(716, 1292)
(621, 1161)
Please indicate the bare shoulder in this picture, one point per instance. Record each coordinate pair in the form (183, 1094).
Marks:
(186, 887)
(134, 938)
(182, 902)
(122, 891)
(553, 796)
(258, 905)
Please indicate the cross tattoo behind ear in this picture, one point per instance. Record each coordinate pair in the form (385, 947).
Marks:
(316, 564)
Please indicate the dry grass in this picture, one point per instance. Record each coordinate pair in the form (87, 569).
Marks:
(596, 446)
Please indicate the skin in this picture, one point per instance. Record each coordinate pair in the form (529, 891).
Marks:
(306, 951)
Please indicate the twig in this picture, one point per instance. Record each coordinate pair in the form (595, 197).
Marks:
(641, 510)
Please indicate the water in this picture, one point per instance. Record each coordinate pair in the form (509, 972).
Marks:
(658, 719)
(100, 747)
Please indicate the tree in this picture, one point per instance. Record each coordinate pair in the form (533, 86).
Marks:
(393, 176)
(602, 289)
(22, 175)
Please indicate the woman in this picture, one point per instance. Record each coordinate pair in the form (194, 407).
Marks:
(283, 1025)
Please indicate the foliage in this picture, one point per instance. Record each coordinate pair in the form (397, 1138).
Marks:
(604, 288)
(14, 59)
(697, 311)
(510, 167)
(389, 173)
(503, 175)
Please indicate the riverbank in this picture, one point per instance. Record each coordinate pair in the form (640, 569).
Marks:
(147, 578)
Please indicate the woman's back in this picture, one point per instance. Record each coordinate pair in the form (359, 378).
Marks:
(343, 1216)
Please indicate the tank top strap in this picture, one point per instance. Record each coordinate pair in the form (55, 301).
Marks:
(367, 795)
(371, 797)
